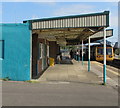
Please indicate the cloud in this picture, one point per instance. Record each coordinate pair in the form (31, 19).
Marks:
(74, 9)
(35, 17)
(114, 21)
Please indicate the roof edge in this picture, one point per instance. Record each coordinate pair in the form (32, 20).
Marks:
(65, 17)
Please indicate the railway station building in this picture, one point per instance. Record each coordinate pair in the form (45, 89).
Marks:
(25, 48)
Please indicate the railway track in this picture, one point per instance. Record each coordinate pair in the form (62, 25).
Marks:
(115, 63)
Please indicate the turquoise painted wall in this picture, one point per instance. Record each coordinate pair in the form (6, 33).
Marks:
(16, 62)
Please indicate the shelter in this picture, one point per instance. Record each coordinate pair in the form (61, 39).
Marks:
(33, 42)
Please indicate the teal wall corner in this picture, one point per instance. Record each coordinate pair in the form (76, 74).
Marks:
(16, 62)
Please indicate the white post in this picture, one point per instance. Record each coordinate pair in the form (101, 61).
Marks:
(89, 54)
(104, 65)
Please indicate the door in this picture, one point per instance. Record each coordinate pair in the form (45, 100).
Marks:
(34, 55)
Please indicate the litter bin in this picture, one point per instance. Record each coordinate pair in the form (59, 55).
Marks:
(51, 61)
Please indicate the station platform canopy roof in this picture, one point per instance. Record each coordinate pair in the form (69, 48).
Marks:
(93, 38)
(71, 29)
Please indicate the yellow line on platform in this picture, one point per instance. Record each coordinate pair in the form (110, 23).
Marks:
(100, 65)
(113, 72)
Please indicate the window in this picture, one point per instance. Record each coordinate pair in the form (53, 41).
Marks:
(47, 51)
(1, 49)
(109, 51)
(40, 51)
(100, 51)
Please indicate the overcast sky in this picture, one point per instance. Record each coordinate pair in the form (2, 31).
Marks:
(16, 12)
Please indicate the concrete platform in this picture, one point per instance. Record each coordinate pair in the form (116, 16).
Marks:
(74, 71)
(69, 73)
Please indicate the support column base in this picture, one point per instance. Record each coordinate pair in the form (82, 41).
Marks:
(104, 74)
(82, 61)
(88, 65)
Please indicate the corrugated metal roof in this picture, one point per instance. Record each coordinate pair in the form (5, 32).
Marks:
(73, 21)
